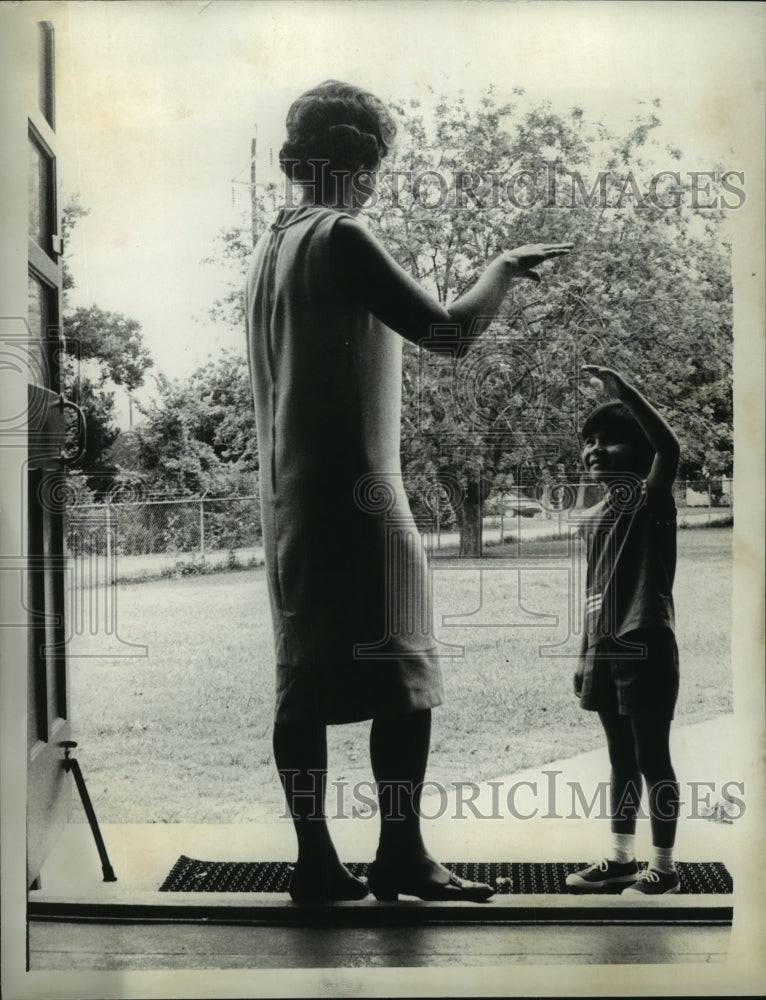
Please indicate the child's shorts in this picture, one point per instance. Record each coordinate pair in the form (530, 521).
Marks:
(631, 681)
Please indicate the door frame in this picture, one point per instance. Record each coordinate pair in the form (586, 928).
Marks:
(23, 117)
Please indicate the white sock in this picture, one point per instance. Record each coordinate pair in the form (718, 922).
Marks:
(662, 860)
(622, 847)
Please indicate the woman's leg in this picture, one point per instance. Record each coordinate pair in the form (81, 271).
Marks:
(652, 741)
(399, 747)
(300, 753)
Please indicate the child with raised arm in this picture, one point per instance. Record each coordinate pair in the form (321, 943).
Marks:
(628, 668)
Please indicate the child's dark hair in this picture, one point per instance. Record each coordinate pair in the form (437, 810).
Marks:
(339, 123)
(616, 418)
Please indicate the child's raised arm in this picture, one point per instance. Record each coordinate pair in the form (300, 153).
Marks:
(665, 443)
(371, 276)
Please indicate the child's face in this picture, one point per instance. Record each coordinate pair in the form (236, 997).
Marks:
(606, 453)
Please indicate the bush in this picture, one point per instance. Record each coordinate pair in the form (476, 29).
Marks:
(197, 565)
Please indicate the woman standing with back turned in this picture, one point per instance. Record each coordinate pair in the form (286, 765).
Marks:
(326, 309)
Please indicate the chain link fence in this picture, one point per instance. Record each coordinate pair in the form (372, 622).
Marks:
(177, 536)
(712, 496)
(165, 536)
(545, 507)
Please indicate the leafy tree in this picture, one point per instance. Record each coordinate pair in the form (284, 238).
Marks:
(646, 290)
(105, 349)
(110, 339)
(72, 211)
(232, 250)
(226, 419)
(198, 434)
(97, 403)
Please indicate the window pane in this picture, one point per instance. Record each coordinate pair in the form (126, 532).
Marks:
(40, 197)
(37, 696)
(45, 64)
(41, 317)
(39, 314)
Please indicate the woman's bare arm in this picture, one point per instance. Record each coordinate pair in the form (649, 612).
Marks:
(371, 276)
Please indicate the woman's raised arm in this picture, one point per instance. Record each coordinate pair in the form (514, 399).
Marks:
(370, 275)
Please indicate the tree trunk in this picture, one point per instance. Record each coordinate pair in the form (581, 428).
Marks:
(470, 520)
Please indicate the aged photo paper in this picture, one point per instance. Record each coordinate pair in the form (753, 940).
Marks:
(158, 103)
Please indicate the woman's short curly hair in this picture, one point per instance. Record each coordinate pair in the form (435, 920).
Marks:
(339, 123)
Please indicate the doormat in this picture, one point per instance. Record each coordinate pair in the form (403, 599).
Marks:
(191, 875)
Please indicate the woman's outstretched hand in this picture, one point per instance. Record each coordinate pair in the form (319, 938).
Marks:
(524, 259)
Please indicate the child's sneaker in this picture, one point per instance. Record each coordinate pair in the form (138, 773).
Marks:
(603, 875)
(654, 883)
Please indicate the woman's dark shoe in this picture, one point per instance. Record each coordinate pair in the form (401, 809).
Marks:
(386, 884)
(323, 887)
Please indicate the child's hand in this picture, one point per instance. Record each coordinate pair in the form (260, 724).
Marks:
(530, 255)
(606, 379)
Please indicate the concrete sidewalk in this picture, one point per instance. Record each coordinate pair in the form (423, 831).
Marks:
(559, 811)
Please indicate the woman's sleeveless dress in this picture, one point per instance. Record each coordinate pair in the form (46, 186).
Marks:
(348, 578)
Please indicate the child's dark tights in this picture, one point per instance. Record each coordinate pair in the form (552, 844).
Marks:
(640, 746)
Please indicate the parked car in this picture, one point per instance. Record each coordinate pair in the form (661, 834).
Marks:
(517, 505)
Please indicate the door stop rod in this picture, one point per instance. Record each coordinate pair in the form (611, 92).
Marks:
(73, 765)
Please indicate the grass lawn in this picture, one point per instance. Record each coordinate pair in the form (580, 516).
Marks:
(184, 734)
